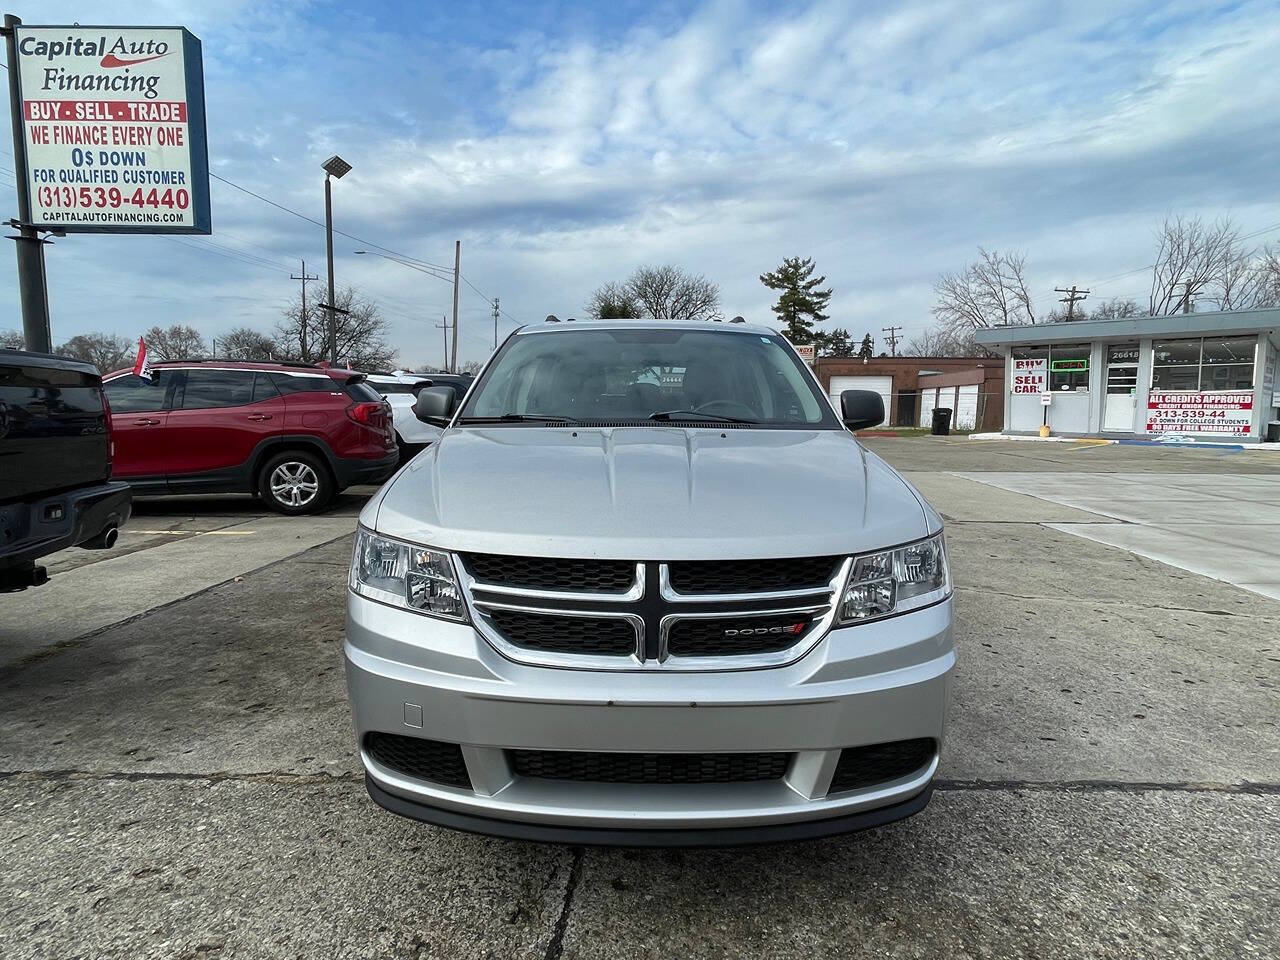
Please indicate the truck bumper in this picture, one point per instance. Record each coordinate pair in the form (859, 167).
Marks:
(35, 529)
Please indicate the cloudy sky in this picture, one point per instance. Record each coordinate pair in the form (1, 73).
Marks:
(565, 143)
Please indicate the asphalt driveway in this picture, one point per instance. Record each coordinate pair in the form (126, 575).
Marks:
(181, 781)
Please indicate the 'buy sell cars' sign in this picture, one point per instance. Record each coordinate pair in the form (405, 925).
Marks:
(1200, 413)
(1030, 376)
(113, 129)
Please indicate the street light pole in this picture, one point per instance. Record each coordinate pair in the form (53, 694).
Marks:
(457, 269)
(328, 246)
(337, 168)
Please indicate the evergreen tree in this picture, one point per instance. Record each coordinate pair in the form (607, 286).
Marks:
(868, 348)
(801, 302)
(838, 343)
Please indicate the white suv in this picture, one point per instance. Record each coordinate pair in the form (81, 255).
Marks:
(648, 588)
(400, 389)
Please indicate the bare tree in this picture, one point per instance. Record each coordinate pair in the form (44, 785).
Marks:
(245, 343)
(106, 351)
(472, 367)
(1115, 309)
(991, 291)
(940, 341)
(12, 340)
(1265, 284)
(1212, 263)
(362, 333)
(613, 301)
(175, 342)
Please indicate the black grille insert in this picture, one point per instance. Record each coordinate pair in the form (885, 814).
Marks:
(714, 637)
(418, 758)
(867, 766)
(655, 768)
(750, 576)
(557, 633)
(551, 573)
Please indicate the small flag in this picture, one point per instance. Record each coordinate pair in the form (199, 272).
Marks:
(142, 366)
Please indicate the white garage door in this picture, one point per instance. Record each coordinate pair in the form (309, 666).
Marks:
(966, 412)
(928, 400)
(881, 385)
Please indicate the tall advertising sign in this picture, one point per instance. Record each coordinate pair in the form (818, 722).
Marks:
(113, 129)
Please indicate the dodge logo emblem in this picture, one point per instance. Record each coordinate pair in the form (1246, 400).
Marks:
(794, 629)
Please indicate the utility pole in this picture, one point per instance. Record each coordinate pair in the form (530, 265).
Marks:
(1186, 296)
(1072, 295)
(302, 317)
(444, 325)
(495, 323)
(891, 334)
(33, 288)
(457, 272)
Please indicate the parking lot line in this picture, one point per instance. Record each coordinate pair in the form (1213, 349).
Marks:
(199, 533)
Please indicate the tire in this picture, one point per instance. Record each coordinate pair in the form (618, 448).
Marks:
(295, 482)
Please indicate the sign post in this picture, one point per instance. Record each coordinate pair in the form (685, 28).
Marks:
(109, 137)
(32, 285)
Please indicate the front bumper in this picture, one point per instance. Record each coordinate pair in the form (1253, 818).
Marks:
(875, 683)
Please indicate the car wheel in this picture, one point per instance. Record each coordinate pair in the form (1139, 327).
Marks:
(295, 482)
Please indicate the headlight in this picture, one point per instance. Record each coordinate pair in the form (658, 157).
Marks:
(406, 575)
(895, 581)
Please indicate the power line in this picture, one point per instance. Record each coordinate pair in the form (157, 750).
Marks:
(1151, 266)
(318, 223)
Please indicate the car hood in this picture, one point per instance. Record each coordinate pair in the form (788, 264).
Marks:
(655, 493)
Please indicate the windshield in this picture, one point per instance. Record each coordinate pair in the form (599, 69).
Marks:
(630, 375)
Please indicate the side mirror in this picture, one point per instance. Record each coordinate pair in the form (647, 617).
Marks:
(435, 405)
(861, 408)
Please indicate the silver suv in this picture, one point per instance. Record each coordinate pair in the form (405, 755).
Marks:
(647, 588)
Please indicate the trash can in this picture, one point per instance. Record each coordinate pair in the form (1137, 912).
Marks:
(941, 421)
(1273, 431)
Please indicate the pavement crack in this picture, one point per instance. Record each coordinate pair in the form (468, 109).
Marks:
(1247, 787)
(555, 946)
(988, 592)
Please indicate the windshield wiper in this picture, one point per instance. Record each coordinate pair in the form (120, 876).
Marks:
(695, 415)
(519, 418)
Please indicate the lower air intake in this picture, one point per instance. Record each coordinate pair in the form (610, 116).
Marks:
(868, 766)
(657, 768)
(418, 758)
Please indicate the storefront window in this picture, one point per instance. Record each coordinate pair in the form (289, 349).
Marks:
(1203, 364)
(1069, 367)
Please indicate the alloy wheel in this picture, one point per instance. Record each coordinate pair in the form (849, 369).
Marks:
(294, 484)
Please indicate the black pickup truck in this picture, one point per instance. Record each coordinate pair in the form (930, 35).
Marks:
(55, 464)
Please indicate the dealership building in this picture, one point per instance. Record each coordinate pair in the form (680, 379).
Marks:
(1209, 376)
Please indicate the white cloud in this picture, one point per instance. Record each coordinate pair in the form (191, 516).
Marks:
(888, 141)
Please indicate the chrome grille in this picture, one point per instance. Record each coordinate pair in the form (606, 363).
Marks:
(651, 625)
(551, 573)
(751, 576)
(606, 636)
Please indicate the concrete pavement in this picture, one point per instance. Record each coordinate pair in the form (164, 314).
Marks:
(184, 783)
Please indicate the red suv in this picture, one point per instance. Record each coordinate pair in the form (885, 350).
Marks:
(295, 435)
